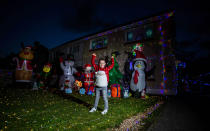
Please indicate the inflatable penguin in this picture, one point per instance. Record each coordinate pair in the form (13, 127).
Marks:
(138, 82)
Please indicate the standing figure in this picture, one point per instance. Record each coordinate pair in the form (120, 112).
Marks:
(68, 71)
(137, 83)
(102, 79)
(88, 80)
(44, 76)
(24, 68)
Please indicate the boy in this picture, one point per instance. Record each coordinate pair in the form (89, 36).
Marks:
(102, 79)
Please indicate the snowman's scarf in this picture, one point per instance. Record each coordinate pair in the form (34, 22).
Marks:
(135, 79)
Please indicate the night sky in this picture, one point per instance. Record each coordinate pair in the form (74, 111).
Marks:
(55, 22)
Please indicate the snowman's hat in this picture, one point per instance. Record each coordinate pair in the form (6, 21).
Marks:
(140, 56)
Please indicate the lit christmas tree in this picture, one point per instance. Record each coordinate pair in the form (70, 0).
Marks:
(114, 74)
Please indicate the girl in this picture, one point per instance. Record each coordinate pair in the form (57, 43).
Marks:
(102, 79)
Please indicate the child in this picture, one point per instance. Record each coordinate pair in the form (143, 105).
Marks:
(102, 79)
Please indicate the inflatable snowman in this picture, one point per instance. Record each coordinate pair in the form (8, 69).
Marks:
(138, 82)
(68, 71)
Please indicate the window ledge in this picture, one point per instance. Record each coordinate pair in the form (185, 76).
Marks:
(97, 49)
(139, 41)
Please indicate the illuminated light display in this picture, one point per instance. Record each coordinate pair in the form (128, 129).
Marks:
(163, 41)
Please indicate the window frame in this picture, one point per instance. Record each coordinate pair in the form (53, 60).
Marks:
(97, 39)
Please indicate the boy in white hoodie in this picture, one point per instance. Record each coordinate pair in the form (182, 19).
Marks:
(102, 79)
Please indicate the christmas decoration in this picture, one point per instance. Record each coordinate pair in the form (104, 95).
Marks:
(115, 75)
(24, 68)
(137, 83)
(88, 80)
(68, 70)
(126, 93)
(35, 87)
(116, 90)
(44, 76)
(82, 91)
(68, 90)
(77, 85)
(128, 70)
(109, 93)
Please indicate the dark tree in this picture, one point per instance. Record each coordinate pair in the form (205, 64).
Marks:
(41, 56)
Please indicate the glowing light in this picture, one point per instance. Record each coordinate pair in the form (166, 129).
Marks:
(131, 65)
(162, 91)
(160, 43)
(140, 22)
(169, 14)
(149, 33)
(164, 45)
(160, 28)
(130, 36)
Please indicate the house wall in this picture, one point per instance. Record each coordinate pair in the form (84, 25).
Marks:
(117, 41)
(75, 48)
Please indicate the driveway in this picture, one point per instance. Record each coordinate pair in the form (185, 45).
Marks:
(185, 113)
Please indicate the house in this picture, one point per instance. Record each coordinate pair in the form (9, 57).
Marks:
(156, 32)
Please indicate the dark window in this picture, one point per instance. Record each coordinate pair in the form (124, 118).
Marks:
(76, 49)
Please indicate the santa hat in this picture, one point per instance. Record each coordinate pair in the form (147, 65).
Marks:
(48, 64)
(28, 47)
(140, 56)
(87, 65)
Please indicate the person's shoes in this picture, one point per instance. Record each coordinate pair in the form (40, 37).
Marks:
(104, 112)
(93, 110)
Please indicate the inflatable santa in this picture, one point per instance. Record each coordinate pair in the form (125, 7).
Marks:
(137, 83)
(88, 80)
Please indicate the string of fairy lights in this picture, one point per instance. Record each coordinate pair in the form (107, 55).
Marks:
(163, 43)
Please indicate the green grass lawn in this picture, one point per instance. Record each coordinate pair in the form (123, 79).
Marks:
(24, 109)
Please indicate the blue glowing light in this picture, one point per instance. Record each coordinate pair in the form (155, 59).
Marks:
(131, 65)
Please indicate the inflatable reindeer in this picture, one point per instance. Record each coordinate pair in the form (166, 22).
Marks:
(24, 68)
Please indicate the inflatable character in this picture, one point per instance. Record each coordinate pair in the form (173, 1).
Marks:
(137, 83)
(24, 68)
(44, 76)
(88, 80)
(77, 85)
(68, 71)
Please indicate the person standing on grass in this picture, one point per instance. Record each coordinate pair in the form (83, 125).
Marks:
(102, 79)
